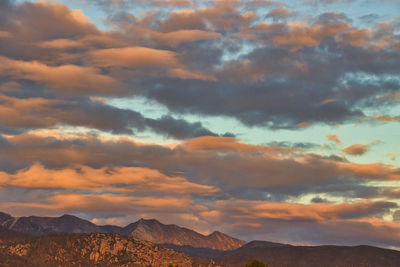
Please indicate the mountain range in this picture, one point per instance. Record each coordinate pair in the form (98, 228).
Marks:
(71, 241)
(148, 230)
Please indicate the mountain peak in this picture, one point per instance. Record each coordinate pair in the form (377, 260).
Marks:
(216, 233)
(146, 223)
(142, 220)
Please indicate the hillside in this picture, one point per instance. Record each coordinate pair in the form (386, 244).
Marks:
(87, 250)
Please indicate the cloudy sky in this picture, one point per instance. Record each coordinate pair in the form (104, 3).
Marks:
(262, 119)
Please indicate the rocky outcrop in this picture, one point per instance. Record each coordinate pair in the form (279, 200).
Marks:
(89, 250)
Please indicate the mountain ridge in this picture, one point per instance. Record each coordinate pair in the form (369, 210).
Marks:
(145, 229)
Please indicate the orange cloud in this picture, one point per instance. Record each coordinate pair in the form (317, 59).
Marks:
(61, 44)
(304, 124)
(356, 37)
(231, 144)
(29, 112)
(112, 203)
(377, 171)
(35, 22)
(239, 164)
(321, 212)
(143, 57)
(117, 179)
(65, 79)
(356, 149)
(334, 138)
(133, 57)
(4, 34)
(385, 118)
(327, 101)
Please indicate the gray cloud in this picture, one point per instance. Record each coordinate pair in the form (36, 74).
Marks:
(315, 78)
(178, 128)
(45, 113)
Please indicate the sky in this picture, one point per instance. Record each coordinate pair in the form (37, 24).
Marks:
(263, 119)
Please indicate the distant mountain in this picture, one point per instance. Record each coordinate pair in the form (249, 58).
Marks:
(312, 256)
(149, 230)
(156, 232)
(213, 253)
(88, 250)
(46, 225)
(259, 244)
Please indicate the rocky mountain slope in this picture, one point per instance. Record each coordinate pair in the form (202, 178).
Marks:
(156, 232)
(87, 250)
(149, 230)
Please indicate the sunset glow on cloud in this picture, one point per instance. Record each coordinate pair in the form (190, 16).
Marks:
(263, 119)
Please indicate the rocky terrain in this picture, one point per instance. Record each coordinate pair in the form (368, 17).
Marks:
(87, 250)
(149, 230)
